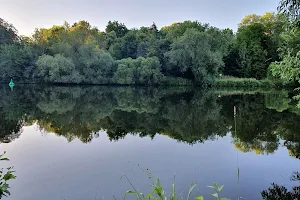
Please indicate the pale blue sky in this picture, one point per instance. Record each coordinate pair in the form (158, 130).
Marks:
(26, 15)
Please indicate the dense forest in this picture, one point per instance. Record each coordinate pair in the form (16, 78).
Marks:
(184, 53)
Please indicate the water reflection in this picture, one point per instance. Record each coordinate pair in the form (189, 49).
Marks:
(183, 114)
(264, 120)
(279, 192)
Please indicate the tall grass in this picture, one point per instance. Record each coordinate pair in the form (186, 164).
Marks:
(234, 82)
(243, 82)
(158, 192)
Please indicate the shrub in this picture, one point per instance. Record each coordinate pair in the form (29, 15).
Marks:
(142, 71)
(57, 69)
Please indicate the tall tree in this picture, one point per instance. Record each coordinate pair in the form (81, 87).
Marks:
(8, 33)
(194, 52)
(119, 28)
(258, 39)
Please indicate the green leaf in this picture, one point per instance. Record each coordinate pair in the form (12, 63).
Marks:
(220, 188)
(190, 191)
(215, 195)
(224, 198)
(8, 176)
(149, 196)
(125, 194)
(174, 189)
(212, 187)
(199, 198)
(131, 192)
(4, 159)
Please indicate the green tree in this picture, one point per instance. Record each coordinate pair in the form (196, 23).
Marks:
(8, 33)
(57, 69)
(291, 42)
(176, 30)
(18, 62)
(150, 71)
(258, 39)
(95, 65)
(288, 69)
(144, 71)
(194, 52)
(125, 47)
(253, 54)
(119, 28)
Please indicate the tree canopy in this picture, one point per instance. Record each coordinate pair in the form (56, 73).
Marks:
(8, 33)
(187, 52)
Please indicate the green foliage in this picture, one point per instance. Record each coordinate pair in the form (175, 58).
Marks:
(176, 30)
(94, 65)
(119, 28)
(17, 62)
(243, 82)
(277, 192)
(125, 47)
(143, 71)
(150, 71)
(194, 52)
(158, 192)
(181, 53)
(253, 54)
(279, 101)
(5, 176)
(8, 33)
(288, 69)
(290, 8)
(218, 189)
(56, 69)
(291, 42)
(257, 41)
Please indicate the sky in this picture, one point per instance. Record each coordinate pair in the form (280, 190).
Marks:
(26, 15)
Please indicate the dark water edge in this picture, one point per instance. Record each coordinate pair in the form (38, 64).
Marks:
(64, 138)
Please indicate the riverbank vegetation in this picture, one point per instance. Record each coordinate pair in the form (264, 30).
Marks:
(244, 82)
(184, 53)
(6, 174)
(158, 192)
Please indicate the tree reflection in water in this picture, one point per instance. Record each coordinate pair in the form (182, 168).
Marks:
(184, 114)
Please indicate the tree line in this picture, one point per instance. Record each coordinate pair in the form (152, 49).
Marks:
(183, 53)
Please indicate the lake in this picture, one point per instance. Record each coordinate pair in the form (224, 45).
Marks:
(82, 143)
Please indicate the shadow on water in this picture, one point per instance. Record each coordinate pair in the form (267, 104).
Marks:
(265, 119)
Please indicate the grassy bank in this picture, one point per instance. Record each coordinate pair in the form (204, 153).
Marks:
(233, 82)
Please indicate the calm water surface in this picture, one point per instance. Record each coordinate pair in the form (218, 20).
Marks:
(75, 143)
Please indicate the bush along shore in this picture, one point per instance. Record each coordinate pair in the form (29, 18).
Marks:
(233, 82)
